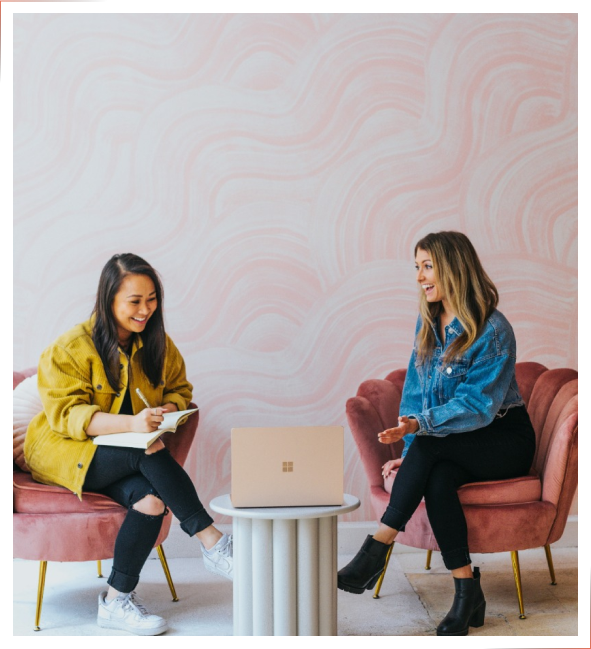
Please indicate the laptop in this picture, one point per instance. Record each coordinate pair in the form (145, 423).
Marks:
(287, 467)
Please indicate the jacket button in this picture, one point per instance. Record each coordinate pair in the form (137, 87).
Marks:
(99, 387)
(121, 366)
(448, 370)
(118, 394)
(79, 465)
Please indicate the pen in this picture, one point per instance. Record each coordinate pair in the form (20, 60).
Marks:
(141, 396)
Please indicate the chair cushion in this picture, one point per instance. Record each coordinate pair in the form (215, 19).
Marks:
(26, 403)
(32, 497)
(524, 489)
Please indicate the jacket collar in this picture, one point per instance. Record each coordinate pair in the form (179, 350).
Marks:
(455, 325)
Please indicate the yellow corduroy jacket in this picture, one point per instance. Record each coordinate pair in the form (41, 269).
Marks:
(73, 386)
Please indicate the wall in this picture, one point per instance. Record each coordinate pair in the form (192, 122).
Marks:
(277, 170)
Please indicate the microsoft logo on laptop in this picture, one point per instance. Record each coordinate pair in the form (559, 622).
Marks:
(288, 467)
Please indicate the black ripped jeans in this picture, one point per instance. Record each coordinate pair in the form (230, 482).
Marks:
(434, 468)
(127, 475)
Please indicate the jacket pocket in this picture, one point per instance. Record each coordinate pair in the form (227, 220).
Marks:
(450, 376)
(103, 393)
(454, 369)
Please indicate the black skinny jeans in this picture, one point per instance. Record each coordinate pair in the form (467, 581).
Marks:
(434, 468)
(127, 475)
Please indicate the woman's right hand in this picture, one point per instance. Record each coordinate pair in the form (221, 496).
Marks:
(147, 420)
(390, 466)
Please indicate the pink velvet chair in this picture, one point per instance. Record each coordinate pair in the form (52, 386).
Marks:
(504, 515)
(52, 524)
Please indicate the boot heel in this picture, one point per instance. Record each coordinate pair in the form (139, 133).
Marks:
(477, 617)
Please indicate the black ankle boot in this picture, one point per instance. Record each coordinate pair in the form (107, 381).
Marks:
(364, 571)
(468, 608)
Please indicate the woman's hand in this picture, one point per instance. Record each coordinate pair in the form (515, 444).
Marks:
(390, 466)
(147, 420)
(405, 426)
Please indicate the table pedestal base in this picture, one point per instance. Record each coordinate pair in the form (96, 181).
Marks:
(285, 576)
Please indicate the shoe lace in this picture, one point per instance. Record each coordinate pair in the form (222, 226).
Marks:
(228, 549)
(134, 602)
(230, 546)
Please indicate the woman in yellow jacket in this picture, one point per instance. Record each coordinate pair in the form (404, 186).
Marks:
(87, 381)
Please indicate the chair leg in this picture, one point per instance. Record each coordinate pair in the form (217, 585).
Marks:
(99, 568)
(164, 563)
(517, 575)
(376, 594)
(40, 589)
(550, 564)
(428, 562)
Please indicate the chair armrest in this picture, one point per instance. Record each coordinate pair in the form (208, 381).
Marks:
(553, 409)
(179, 443)
(374, 409)
(385, 398)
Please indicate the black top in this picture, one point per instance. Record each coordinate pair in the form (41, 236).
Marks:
(126, 407)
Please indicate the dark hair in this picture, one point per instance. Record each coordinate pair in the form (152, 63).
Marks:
(469, 290)
(104, 332)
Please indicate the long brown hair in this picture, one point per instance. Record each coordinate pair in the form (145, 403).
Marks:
(467, 288)
(104, 332)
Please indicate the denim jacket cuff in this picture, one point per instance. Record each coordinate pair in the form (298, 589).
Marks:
(422, 424)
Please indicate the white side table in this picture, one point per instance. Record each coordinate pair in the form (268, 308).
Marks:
(285, 567)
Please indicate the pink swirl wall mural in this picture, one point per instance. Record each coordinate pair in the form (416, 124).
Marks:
(277, 170)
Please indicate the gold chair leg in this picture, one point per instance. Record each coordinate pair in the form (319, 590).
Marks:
(40, 589)
(99, 568)
(550, 564)
(517, 575)
(428, 563)
(164, 563)
(376, 594)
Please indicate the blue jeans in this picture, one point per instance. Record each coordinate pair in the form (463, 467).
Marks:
(434, 468)
(127, 475)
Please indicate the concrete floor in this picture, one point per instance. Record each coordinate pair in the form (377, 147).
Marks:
(412, 601)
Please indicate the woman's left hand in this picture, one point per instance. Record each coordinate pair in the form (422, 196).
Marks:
(405, 426)
(158, 445)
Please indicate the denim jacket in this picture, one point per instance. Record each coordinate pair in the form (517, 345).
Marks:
(467, 393)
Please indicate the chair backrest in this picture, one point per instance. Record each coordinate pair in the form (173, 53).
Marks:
(18, 377)
(553, 409)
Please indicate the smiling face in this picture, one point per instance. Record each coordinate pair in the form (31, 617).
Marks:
(426, 277)
(133, 306)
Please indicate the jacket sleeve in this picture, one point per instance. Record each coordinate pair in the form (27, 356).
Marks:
(177, 389)
(66, 392)
(411, 397)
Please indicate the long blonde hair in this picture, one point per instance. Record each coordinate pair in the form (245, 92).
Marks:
(465, 285)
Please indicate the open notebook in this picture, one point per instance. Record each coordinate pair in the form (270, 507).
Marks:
(172, 420)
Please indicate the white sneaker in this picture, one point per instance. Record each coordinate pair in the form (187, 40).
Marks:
(127, 613)
(220, 558)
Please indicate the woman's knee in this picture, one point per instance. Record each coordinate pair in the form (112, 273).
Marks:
(150, 505)
(444, 478)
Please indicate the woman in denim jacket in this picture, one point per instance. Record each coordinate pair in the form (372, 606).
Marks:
(461, 416)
